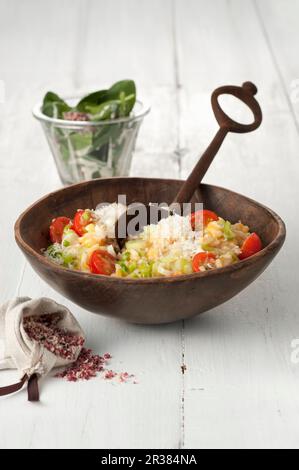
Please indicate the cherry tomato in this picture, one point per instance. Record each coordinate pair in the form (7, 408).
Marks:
(81, 219)
(204, 215)
(101, 262)
(251, 245)
(202, 258)
(57, 227)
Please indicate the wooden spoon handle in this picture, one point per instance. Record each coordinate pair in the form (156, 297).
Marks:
(246, 94)
(194, 179)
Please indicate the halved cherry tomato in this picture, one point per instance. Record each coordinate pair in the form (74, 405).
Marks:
(101, 262)
(251, 245)
(205, 216)
(202, 258)
(57, 227)
(81, 219)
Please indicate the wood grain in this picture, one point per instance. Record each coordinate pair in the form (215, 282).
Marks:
(99, 414)
(240, 387)
(237, 386)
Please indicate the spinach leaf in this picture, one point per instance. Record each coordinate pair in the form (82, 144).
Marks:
(107, 110)
(96, 150)
(126, 86)
(81, 140)
(93, 99)
(100, 154)
(112, 109)
(123, 92)
(106, 134)
(64, 150)
(126, 104)
(54, 106)
(117, 101)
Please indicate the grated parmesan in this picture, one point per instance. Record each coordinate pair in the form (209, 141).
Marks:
(173, 236)
(106, 217)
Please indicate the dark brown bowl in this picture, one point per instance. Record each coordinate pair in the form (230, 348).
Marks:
(155, 300)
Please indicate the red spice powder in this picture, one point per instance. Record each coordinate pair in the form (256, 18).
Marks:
(63, 343)
(84, 368)
(88, 365)
(60, 342)
(110, 374)
(75, 116)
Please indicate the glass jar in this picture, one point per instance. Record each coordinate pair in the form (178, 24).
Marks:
(85, 150)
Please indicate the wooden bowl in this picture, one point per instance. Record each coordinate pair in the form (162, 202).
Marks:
(154, 300)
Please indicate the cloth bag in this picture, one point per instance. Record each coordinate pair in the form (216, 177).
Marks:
(28, 356)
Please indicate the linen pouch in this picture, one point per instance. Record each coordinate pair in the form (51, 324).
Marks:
(32, 359)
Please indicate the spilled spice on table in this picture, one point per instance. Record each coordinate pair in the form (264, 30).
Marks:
(45, 330)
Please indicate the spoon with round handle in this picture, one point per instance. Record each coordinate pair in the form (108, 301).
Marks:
(245, 93)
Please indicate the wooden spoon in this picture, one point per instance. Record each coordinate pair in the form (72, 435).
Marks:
(245, 93)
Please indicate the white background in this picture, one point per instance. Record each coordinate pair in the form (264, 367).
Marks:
(240, 388)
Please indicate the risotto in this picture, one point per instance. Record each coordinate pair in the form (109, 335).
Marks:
(174, 246)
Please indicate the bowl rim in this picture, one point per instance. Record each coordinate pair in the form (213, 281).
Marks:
(273, 245)
(40, 116)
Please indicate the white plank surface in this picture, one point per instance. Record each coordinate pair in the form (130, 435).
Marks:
(240, 388)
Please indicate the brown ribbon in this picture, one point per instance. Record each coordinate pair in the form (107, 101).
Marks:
(32, 387)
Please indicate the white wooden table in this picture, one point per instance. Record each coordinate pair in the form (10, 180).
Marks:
(240, 388)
